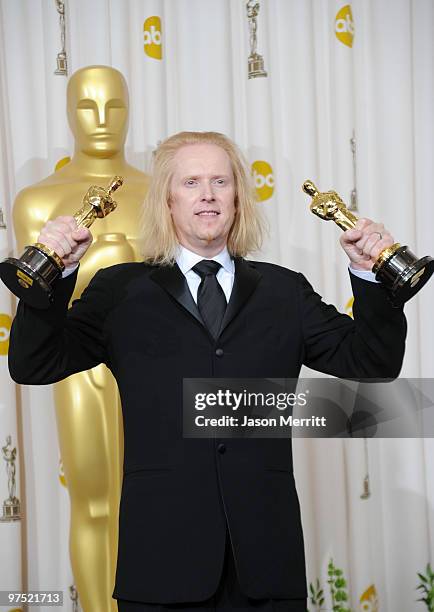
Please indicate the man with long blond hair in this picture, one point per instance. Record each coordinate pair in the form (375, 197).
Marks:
(205, 524)
(160, 238)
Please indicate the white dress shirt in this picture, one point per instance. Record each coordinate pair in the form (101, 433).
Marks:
(186, 259)
(365, 274)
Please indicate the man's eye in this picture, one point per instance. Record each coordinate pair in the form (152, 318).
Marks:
(220, 181)
(190, 182)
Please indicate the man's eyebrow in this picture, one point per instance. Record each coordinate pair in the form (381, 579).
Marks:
(198, 176)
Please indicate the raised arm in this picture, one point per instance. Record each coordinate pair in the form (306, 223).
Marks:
(49, 345)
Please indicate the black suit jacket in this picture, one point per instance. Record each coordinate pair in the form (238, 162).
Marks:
(177, 492)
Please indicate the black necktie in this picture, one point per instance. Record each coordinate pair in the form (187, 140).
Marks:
(211, 299)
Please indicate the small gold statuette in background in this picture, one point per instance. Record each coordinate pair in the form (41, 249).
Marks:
(62, 60)
(400, 271)
(255, 60)
(11, 506)
(32, 276)
(73, 594)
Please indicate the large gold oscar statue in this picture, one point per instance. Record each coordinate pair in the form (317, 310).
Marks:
(87, 405)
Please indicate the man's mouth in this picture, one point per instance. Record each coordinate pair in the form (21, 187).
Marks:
(207, 213)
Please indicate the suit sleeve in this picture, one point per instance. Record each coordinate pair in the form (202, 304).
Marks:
(46, 346)
(370, 346)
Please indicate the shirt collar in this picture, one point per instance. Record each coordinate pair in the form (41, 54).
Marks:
(186, 259)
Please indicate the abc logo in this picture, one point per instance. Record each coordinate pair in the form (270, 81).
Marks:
(152, 37)
(5, 328)
(369, 600)
(264, 179)
(349, 307)
(62, 473)
(344, 26)
(62, 162)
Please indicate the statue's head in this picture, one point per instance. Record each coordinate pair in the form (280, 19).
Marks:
(97, 101)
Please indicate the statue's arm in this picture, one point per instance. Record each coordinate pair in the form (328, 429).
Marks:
(46, 346)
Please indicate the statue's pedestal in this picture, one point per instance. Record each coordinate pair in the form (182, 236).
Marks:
(256, 66)
(11, 510)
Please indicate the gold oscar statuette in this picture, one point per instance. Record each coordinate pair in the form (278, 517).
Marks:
(400, 271)
(255, 60)
(62, 60)
(11, 506)
(31, 277)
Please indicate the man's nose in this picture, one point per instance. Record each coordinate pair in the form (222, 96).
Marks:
(101, 115)
(207, 192)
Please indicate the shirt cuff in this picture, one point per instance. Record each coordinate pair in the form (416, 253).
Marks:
(365, 274)
(67, 271)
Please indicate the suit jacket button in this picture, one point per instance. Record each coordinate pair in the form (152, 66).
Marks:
(221, 448)
(219, 352)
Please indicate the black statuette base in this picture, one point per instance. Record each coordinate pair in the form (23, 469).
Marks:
(404, 274)
(31, 277)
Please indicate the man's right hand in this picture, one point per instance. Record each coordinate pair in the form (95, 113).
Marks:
(68, 242)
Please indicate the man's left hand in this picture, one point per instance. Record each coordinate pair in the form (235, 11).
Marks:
(364, 243)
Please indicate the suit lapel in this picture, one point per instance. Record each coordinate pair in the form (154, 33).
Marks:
(172, 280)
(246, 279)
